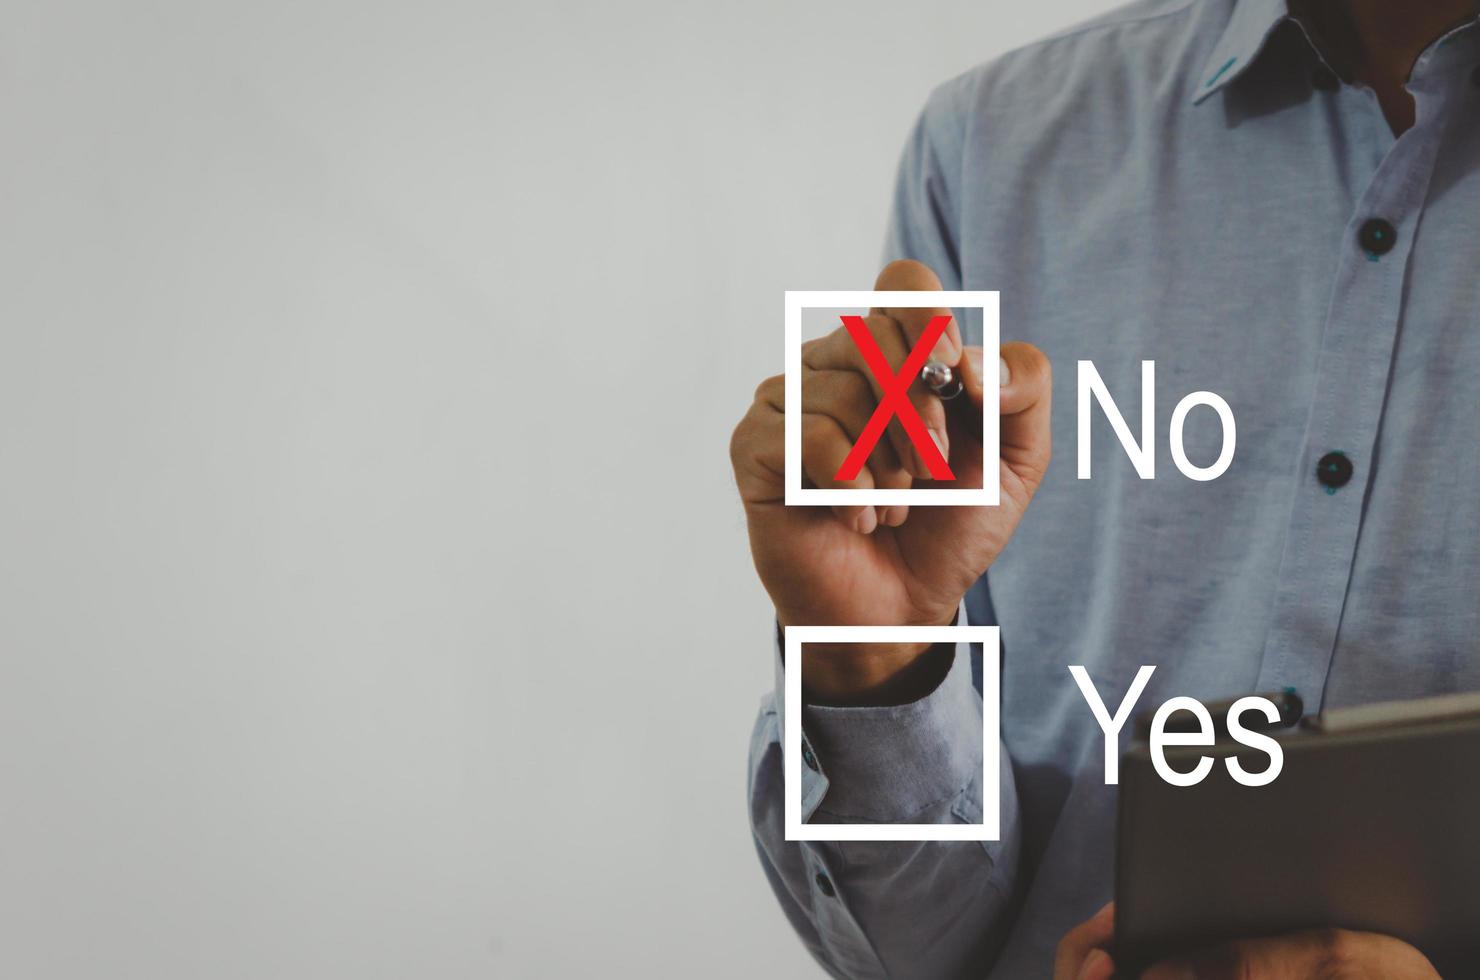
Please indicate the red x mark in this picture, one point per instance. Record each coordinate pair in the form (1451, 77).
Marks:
(894, 401)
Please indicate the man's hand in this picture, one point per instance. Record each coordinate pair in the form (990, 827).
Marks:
(861, 565)
(1082, 952)
(1320, 954)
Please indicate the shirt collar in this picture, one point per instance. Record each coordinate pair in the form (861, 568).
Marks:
(1252, 23)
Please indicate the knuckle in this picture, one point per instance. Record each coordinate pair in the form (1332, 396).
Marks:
(749, 436)
(1032, 361)
(887, 334)
(854, 389)
(817, 348)
(817, 432)
(739, 439)
(771, 389)
(823, 392)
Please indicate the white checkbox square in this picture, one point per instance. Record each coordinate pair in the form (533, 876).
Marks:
(862, 300)
(988, 829)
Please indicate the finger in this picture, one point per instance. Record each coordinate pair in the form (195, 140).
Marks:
(1097, 966)
(1072, 957)
(907, 274)
(1299, 955)
(840, 351)
(758, 447)
(1285, 959)
(894, 515)
(893, 477)
(848, 398)
(1026, 392)
(824, 448)
(758, 455)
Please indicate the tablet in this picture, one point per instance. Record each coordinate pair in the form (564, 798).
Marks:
(1373, 824)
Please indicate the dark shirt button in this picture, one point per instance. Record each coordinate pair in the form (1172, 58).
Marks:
(824, 885)
(1334, 470)
(1377, 236)
(1324, 79)
(808, 757)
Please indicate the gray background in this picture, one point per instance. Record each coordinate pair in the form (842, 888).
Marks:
(375, 595)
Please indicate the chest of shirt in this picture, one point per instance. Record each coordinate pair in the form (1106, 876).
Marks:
(1232, 256)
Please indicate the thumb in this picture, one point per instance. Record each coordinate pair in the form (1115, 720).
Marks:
(1025, 398)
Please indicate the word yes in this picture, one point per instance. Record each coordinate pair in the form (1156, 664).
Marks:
(1160, 737)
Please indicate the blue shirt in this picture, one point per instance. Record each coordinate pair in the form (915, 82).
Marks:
(1183, 182)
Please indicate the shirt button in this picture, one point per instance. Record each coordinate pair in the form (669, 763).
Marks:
(1334, 471)
(1377, 236)
(808, 757)
(825, 885)
(1324, 79)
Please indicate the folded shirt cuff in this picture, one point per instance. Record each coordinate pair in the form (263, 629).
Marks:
(890, 764)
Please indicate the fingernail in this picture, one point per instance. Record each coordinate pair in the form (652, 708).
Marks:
(922, 468)
(1096, 965)
(1004, 371)
(866, 521)
(939, 438)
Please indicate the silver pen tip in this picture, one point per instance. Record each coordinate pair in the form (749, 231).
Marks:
(936, 374)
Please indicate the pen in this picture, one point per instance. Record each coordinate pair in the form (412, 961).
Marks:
(940, 379)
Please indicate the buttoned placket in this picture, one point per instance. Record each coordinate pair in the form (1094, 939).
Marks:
(1363, 318)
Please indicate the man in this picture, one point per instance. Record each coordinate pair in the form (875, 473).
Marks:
(1279, 204)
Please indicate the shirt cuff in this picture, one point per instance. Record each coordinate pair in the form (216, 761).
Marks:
(890, 764)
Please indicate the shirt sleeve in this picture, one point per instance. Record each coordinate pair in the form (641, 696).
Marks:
(924, 213)
(896, 909)
(889, 909)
